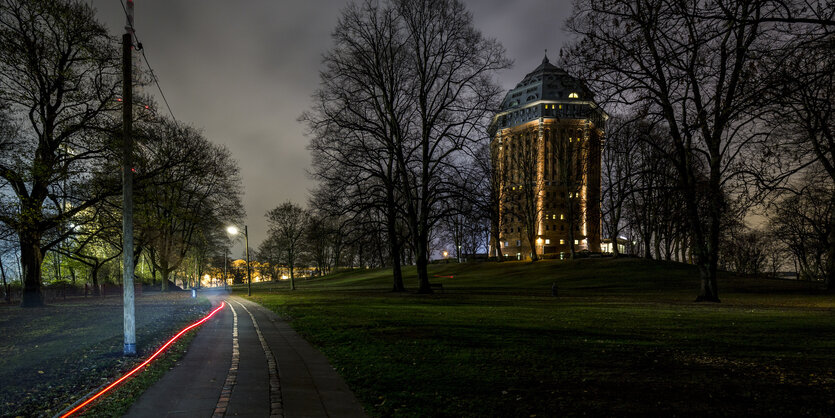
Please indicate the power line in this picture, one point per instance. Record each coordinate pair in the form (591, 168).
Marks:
(145, 58)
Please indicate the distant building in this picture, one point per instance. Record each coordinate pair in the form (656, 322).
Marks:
(546, 143)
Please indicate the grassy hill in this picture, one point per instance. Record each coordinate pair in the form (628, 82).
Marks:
(623, 338)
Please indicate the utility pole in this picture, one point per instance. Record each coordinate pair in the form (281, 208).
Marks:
(248, 269)
(127, 185)
(225, 279)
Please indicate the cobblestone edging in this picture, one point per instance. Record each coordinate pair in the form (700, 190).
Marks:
(232, 376)
(276, 405)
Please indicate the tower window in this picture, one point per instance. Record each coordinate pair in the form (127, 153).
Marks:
(573, 96)
(547, 241)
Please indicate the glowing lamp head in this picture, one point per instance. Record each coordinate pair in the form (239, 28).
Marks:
(446, 253)
(232, 230)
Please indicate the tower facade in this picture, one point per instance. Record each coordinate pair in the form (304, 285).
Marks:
(546, 149)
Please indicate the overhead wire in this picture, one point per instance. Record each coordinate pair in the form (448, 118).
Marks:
(141, 49)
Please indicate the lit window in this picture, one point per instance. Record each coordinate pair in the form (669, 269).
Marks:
(562, 241)
(576, 242)
(505, 244)
(518, 243)
(547, 241)
(573, 96)
(560, 106)
(562, 216)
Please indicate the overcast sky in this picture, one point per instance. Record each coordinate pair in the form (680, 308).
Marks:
(243, 72)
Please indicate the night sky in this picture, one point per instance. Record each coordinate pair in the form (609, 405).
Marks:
(244, 71)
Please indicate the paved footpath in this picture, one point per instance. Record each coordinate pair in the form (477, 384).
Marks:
(248, 362)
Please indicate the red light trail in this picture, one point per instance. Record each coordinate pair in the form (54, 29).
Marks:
(146, 362)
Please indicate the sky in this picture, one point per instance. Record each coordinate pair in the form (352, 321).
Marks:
(244, 71)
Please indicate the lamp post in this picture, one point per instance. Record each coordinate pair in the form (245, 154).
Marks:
(232, 230)
(225, 279)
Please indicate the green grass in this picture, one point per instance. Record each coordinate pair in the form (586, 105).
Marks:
(622, 338)
(51, 356)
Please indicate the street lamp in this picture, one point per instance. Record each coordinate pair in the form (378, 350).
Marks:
(232, 230)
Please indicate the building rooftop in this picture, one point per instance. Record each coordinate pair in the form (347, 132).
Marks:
(547, 92)
(546, 82)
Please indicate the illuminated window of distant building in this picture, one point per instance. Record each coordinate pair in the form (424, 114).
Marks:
(573, 96)
(562, 241)
(505, 244)
(547, 241)
(576, 241)
(562, 216)
(560, 106)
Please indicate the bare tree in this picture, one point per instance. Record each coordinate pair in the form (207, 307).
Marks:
(194, 198)
(59, 79)
(362, 111)
(288, 223)
(692, 67)
(453, 94)
(407, 86)
(523, 190)
(800, 220)
(320, 237)
(490, 194)
(618, 170)
(805, 115)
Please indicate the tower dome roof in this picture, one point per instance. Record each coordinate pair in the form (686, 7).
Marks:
(545, 82)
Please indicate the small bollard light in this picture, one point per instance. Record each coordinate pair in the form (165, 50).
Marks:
(193, 293)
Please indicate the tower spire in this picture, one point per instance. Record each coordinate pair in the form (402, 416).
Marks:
(545, 60)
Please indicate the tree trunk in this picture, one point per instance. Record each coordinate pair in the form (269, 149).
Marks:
(657, 245)
(165, 273)
(422, 267)
(829, 274)
(6, 295)
(292, 273)
(396, 250)
(496, 243)
(94, 276)
(31, 258)
(707, 252)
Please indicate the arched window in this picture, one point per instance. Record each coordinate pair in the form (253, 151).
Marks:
(573, 96)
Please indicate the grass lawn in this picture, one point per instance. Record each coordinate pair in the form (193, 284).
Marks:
(622, 338)
(51, 356)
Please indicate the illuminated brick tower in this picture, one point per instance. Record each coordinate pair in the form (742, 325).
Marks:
(546, 143)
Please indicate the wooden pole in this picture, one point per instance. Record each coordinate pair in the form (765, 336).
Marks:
(248, 269)
(127, 186)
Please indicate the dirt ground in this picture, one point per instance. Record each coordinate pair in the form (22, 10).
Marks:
(69, 347)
